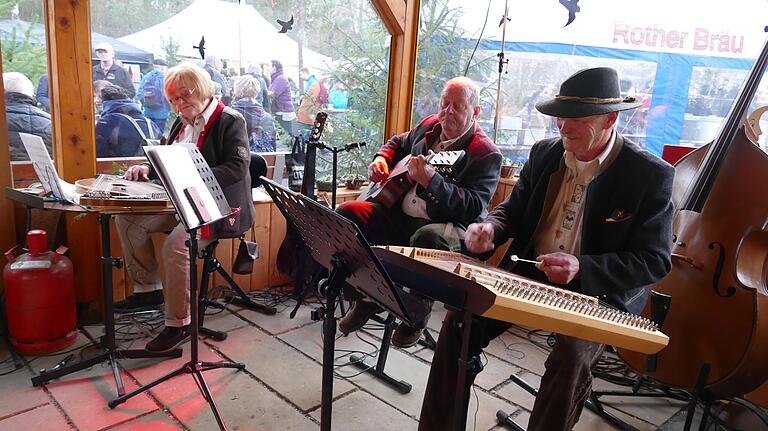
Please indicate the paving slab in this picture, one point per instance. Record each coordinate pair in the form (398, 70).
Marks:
(181, 386)
(361, 411)
(516, 394)
(519, 352)
(656, 411)
(46, 417)
(223, 320)
(18, 394)
(281, 322)
(281, 367)
(484, 417)
(244, 404)
(157, 421)
(85, 398)
(495, 372)
(591, 422)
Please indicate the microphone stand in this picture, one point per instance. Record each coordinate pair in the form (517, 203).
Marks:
(336, 151)
(502, 62)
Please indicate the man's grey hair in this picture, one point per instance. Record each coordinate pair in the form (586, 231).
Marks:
(469, 86)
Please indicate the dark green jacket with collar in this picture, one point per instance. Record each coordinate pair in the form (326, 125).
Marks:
(225, 149)
(626, 235)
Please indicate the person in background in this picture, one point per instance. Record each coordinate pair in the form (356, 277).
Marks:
(263, 97)
(307, 78)
(219, 132)
(281, 99)
(315, 96)
(23, 115)
(260, 125)
(213, 67)
(337, 96)
(122, 129)
(109, 70)
(97, 102)
(150, 94)
(42, 94)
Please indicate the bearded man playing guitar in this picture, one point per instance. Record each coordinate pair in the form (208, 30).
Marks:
(435, 209)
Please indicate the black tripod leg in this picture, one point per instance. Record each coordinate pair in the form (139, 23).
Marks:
(507, 421)
(123, 398)
(378, 371)
(202, 301)
(698, 392)
(203, 386)
(427, 340)
(242, 298)
(298, 287)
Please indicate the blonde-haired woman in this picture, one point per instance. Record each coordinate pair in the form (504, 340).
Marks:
(220, 134)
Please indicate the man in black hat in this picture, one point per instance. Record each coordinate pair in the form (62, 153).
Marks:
(595, 210)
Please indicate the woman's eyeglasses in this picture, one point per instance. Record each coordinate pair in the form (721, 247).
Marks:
(182, 94)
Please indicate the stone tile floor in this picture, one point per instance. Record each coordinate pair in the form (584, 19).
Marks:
(280, 389)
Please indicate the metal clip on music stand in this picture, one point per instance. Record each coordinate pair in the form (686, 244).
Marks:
(337, 244)
(193, 198)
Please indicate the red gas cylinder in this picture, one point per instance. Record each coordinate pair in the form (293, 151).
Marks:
(39, 297)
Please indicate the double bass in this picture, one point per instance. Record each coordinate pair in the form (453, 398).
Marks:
(718, 313)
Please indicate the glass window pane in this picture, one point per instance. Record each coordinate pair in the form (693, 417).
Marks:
(256, 69)
(685, 66)
(25, 79)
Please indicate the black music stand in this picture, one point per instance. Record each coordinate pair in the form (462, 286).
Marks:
(195, 211)
(337, 244)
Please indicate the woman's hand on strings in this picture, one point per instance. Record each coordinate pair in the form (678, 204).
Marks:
(137, 173)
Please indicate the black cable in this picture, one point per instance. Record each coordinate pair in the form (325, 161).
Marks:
(480, 37)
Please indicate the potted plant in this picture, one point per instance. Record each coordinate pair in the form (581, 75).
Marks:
(325, 183)
(354, 179)
(508, 168)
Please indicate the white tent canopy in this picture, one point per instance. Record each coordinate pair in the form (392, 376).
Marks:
(232, 31)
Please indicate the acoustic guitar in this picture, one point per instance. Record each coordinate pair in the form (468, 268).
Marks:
(392, 189)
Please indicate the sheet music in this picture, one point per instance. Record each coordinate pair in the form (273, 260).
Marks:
(46, 171)
(177, 172)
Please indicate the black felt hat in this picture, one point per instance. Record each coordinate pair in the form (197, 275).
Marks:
(588, 92)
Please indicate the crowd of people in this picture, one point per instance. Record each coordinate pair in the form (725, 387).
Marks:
(128, 116)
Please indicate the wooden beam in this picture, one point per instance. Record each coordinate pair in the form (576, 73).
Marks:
(8, 227)
(402, 73)
(68, 31)
(392, 13)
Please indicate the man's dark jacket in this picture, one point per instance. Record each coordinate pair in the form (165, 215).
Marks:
(116, 136)
(24, 117)
(225, 148)
(462, 198)
(626, 234)
(116, 75)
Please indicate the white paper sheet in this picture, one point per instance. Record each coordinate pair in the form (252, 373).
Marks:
(46, 171)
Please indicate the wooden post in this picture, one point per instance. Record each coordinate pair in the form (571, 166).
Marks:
(68, 32)
(8, 227)
(401, 18)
